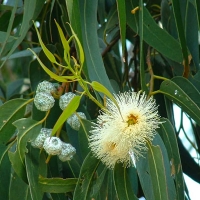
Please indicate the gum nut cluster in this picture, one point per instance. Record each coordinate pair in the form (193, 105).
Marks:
(45, 86)
(53, 145)
(74, 122)
(65, 99)
(67, 152)
(43, 100)
(39, 141)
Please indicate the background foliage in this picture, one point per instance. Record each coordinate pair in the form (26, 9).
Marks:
(148, 45)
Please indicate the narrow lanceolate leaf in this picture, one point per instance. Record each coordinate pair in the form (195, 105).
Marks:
(69, 110)
(18, 190)
(5, 171)
(168, 136)
(94, 62)
(18, 166)
(187, 101)
(28, 129)
(63, 39)
(154, 172)
(10, 112)
(32, 165)
(81, 53)
(48, 53)
(31, 9)
(121, 8)
(157, 172)
(82, 190)
(156, 37)
(141, 33)
(57, 185)
(181, 33)
(49, 72)
(122, 184)
(197, 4)
(101, 88)
(83, 137)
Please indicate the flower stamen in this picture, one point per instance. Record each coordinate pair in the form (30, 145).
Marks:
(132, 119)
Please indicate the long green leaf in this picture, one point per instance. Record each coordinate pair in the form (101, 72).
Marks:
(101, 88)
(32, 165)
(156, 36)
(31, 11)
(7, 35)
(5, 171)
(48, 53)
(156, 178)
(121, 8)
(88, 169)
(57, 185)
(180, 30)
(141, 33)
(28, 129)
(9, 112)
(83, 137)
(186, 101)
(168, 136)
(49, 72)
(69, 110)
(157, 172)
(94, 62)
(122, 183)
(18, 189)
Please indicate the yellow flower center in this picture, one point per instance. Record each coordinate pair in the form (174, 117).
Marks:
(132, 119)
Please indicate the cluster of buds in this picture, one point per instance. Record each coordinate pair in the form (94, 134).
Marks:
(44, 100)
(53, 145)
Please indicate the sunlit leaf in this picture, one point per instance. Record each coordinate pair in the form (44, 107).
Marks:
(48, 53)
(69, 110)
(49, 72)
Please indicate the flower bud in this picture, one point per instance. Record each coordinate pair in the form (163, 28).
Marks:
(67, 152)
(45, 86)
(65, 99)
(44, 101)
(74, 122)
(52, 145)
(39, 141)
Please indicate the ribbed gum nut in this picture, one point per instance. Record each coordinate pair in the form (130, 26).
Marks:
(45, 86)
(53, 145)
(65, 99)
(74, 122)
(39, 141)
(44, 101)
(67, 152)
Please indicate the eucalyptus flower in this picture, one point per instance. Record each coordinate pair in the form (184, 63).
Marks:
(123, 128)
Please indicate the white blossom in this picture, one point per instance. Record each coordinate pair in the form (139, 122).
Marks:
(124, 128)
